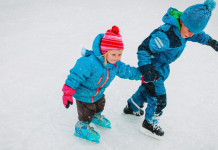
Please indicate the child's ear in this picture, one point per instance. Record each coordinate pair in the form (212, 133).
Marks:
(180, 22)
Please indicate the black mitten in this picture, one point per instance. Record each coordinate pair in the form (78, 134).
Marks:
(213, 43)
(149, 74)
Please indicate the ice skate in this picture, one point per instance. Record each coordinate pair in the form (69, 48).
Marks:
(84, 131)
(100, 120)
(154, 131)
(127, 110)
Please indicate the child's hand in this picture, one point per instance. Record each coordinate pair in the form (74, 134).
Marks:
(67, 97)
(213, 43)
(149, 74)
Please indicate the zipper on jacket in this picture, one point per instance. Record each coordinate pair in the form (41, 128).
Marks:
(166, 57)
(101, 86)
(100, 79)
(176, 56)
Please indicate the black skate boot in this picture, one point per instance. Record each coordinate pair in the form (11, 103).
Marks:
(154, 131)
(127, 110)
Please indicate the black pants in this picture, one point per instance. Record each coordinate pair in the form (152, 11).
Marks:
(86, 111)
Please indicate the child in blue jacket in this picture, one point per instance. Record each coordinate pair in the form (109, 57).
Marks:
(162, 47)
(89, 78)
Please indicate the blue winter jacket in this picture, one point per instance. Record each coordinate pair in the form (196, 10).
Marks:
(89, 77)
(163, 46)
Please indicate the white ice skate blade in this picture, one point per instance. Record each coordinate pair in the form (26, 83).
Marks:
(149, 133)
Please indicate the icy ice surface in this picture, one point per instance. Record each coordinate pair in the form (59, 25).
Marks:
(40, 43)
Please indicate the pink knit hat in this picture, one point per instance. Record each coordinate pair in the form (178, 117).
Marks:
(111, 40)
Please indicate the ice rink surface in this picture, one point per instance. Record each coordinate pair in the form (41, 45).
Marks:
(40, 41)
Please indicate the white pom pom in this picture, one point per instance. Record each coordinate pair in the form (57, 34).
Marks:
(211, 4)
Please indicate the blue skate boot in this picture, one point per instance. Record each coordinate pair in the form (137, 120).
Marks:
(101, 121)
(84, 131)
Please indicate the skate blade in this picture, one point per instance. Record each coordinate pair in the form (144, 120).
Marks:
(94, 141)
(149, 133)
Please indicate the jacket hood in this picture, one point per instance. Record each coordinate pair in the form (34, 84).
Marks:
(96, 51)
(172, 17)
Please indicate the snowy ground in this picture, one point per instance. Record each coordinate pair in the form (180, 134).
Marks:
(40, 43)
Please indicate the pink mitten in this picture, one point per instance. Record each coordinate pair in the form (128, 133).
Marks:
(67, 97)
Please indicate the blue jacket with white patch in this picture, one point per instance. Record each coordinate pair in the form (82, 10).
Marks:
(89, 77)
(163, 46)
